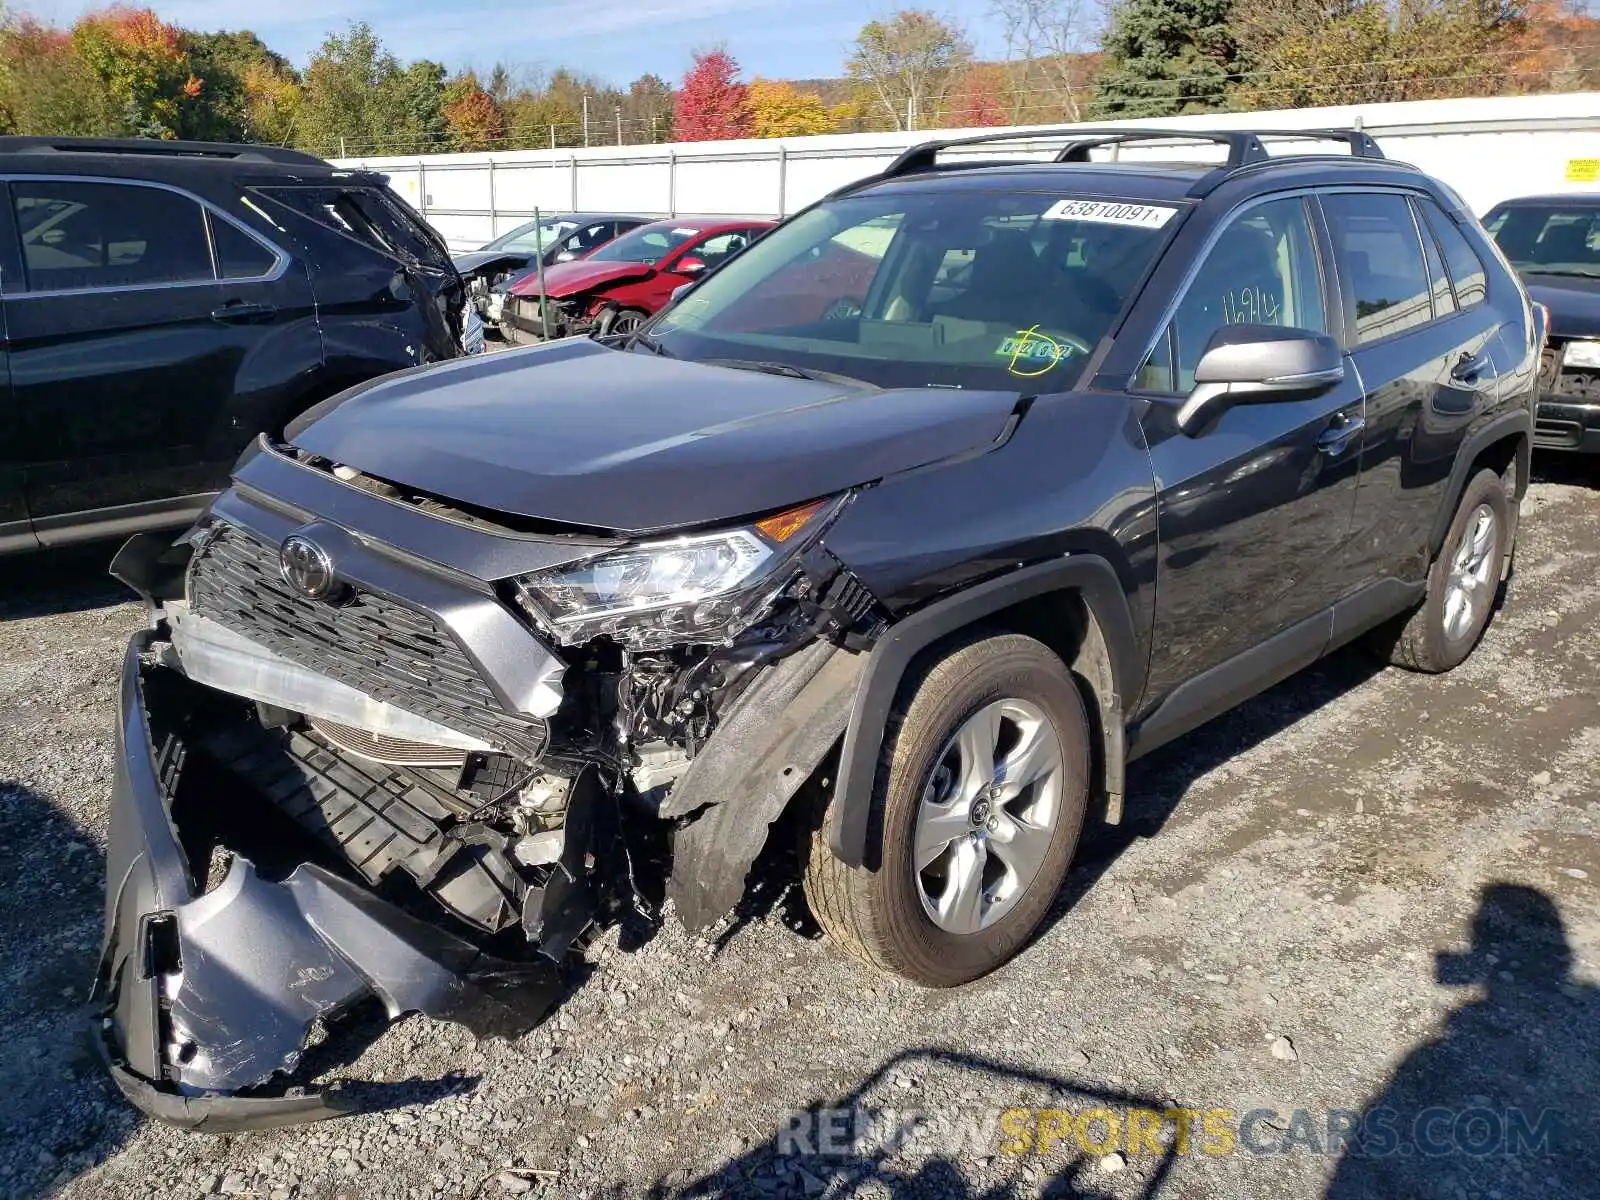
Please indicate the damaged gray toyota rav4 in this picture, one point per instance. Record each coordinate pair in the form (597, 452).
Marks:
(906, 530)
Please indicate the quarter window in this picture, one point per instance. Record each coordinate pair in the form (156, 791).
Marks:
(1466, 268)
(79, 235)
(239, 256)
(1444, 301)
(1262, 270)
(1377, 246)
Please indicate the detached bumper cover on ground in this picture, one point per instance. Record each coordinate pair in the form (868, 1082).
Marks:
(205, 996)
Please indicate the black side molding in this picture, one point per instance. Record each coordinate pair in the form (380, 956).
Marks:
(1089, 575)
(1212, 693)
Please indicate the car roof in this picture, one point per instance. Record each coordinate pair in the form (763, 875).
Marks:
(1554, 200)
(710, 224)
(142, 158)
(592, 216)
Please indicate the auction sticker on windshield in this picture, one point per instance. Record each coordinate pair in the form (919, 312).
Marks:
(1110, 212)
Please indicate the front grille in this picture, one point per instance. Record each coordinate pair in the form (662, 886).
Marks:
(384, 649)
(1548, 431)
(391, 751)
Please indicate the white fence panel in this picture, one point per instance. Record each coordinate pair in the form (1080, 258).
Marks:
(1488, 149)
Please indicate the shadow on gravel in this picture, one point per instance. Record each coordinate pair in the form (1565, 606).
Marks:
(59, 1113)
(48, 582)
(1157, 783)
(866, 1137)
(1505, 1102)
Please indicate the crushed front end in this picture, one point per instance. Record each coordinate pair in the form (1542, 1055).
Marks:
(419, 770)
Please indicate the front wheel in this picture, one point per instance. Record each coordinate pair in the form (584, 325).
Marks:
(978, 803)
(621, 322)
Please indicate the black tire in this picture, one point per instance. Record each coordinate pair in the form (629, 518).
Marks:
(878, 916)
(620, 322)
(1424, 642)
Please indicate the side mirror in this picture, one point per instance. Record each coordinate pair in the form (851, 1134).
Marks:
(690, 265)
(680, 290)
(1258, 364)
(566, 256)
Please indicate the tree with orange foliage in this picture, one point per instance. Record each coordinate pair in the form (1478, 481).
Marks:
(46, 88)
(472, 118)
(143, 64)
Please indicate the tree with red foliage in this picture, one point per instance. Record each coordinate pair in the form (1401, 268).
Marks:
(712, 104)
(975, 98)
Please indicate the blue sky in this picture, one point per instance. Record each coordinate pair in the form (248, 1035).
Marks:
(619, 40)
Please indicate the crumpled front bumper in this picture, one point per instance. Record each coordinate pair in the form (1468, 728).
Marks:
(205, 998)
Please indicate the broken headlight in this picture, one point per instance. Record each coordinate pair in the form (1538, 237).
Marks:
(702, 588)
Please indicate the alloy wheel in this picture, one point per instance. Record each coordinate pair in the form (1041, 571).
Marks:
(1472, 573)
(988, 815)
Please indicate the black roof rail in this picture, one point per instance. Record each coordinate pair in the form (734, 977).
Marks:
(218, 151)
(1244, 146)
(1361, 145)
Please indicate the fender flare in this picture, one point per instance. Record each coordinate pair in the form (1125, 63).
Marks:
(1497, 429)
(1091, 576)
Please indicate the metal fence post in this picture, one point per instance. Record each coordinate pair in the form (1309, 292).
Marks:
(672, 183)
(574, 184)
(783, 179)
(422, 186)
(494, 209)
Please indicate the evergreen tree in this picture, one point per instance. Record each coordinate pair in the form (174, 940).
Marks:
(1164, 57)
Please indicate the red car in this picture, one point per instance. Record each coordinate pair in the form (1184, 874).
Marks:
(617, 287)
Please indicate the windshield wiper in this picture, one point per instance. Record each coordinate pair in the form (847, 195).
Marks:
(792, 372)
(650, 344)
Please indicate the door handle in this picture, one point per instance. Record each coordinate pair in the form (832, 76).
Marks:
(242, 310)
(1336, 438)
(1468, 367)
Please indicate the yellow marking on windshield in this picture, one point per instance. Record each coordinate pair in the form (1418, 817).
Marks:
(1031, 345)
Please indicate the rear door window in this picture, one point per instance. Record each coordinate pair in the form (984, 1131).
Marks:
(93, 235)
(1380, 256)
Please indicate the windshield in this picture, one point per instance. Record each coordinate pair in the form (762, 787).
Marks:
(955, 288)
(1549, 240)
(531, 237)
(649, 244)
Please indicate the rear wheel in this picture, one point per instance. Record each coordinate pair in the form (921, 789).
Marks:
(1462, 584)
(979, 801)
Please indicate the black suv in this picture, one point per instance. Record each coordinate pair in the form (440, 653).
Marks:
(164, 302)
(912, 525)
(1554, 244)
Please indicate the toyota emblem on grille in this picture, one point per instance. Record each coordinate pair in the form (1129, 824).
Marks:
(307, 568)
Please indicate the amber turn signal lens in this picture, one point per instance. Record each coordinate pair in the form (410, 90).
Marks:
(783, 526)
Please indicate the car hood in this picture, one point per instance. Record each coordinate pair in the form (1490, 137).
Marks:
(578, 434)
(1574, 303)
(477, 260)
(570, 278)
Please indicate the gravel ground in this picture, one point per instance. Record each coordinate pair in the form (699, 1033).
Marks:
(1356, 901)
